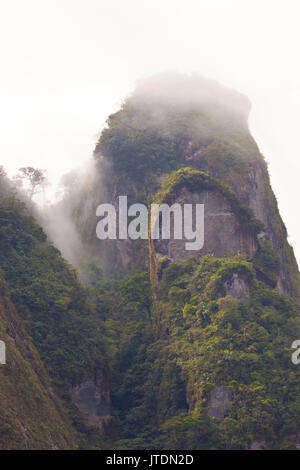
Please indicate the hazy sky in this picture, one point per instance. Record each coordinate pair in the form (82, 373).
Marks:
(67, 64)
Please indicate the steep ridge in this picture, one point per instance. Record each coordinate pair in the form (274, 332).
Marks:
(63, 345)
(213, 366)
(32, 416)
(174, 351)
(168, 123)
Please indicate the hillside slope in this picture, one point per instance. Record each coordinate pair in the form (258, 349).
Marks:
(32, 416)
(54, 337)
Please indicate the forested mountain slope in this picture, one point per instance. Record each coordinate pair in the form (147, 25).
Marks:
(154, 348)
(63, 342)
(32, 416)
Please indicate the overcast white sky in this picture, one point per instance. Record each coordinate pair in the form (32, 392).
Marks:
(67, 64)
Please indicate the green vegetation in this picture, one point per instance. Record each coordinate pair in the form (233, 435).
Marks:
(31, 415)
(208, 340)
(64, 321)
(48, 296)
(135, 149)
(267, 263)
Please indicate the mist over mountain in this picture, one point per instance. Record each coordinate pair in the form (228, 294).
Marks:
(144, 345)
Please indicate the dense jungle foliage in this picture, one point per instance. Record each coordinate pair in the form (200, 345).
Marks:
(48, 296)
(161, 386)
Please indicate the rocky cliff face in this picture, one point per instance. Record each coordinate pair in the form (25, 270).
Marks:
(216, 348)
(92, 397)
(222, 234)
(156, 132)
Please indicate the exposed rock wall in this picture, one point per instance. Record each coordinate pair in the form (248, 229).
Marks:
(219, 401)
(237, 287)
(223, 235)
(92, 397)
(208, 134)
